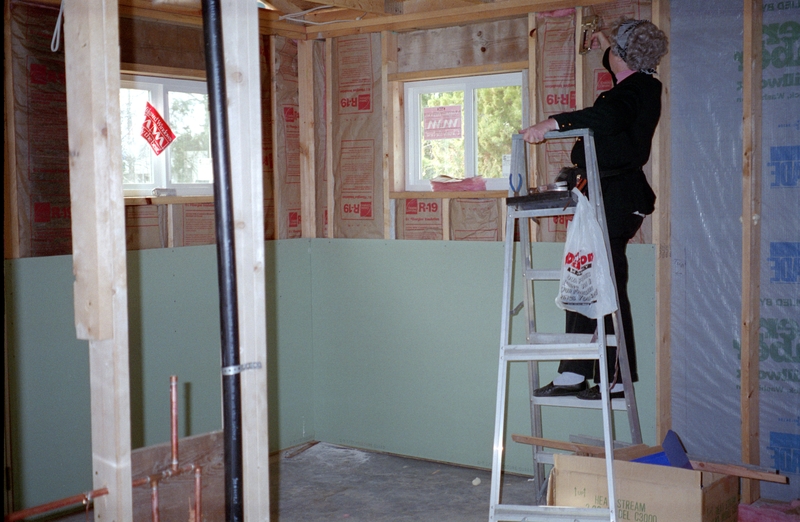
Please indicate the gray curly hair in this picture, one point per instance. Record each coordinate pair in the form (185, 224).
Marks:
(639, 43)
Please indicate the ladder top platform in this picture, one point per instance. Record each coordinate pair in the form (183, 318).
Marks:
(556, 199)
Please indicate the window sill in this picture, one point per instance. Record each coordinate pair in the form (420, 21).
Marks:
(449, 195)
(134, 201)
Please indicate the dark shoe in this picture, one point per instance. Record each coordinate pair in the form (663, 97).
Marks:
(554, 390)
(593, 394)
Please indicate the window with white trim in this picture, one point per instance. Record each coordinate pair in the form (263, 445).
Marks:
(462, 128)
(185, 165)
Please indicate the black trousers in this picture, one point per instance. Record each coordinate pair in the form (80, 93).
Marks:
(578, 323)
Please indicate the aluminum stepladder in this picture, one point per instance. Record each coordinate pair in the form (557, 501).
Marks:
(552, 347)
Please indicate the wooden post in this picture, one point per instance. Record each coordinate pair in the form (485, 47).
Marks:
(391, 126)
(240, 41)
(331, 187)
(751, 239)
(580, 75)
(91, 38)
(533, 117)
(277, 188)
(661, 167)
(305, 77)
(10, 207)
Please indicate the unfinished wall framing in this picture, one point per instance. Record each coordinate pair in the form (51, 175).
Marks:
(325, 171)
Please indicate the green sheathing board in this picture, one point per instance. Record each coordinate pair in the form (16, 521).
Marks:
(174, 312)
(406, 337)
(173, 330)
(388, 345)
(48, 382)
(173, 321)
(290, 343)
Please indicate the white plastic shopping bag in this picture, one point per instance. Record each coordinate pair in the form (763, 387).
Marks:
(586, 286)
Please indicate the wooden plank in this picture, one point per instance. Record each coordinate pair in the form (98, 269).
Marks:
(467, 46)
(91, 40)
(163, 72)
(395, 147)
(627, 453)
(277, 189)
(426, 6)
(636, 451)
(751, 240)
(176, 491)
(450, 195)
(243, 79)
(10, 206)
(183, 13)
(740, 471)
(533, 115)
(580, 449)
(456, 72)
(366, 6)
(271, 24)
(399, 141)
(444, 18)
(166, 200)
(388, 95)
(285, 6)
(662, 179)
(329, 135)
(580, 76)
(305, 80)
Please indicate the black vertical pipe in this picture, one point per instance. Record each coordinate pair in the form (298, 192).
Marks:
(223, 213)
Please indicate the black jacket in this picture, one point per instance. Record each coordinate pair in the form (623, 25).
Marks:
(624, 120)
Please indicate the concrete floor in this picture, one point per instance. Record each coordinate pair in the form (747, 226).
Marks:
(327, 483)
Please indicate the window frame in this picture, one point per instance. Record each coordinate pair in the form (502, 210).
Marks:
(469, 84)
(159, 88)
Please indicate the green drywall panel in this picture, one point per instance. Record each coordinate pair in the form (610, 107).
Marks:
(290, 341)
(388, 345)
(180, 326)
(173, 329)
(48, 382)
(406, 337)
(173, 323)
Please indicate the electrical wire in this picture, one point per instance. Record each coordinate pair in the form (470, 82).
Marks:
(55, 43)
(295, 17)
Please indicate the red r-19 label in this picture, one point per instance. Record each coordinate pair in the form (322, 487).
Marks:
(567, 99)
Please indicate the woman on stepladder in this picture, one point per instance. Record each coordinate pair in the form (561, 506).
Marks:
(623, 120)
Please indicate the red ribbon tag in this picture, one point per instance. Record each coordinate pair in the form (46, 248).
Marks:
(155, 130)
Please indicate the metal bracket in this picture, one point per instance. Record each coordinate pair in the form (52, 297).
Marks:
(233, 370)
(588, 28)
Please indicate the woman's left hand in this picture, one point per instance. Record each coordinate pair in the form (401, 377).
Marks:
(535, 133)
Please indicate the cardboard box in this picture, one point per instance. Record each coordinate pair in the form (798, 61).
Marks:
(645, 492)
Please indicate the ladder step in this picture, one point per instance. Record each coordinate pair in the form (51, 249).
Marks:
(559, 339)
(574, 402)
(515, 513)
(542, 275)
(515, 213)
(549, 352)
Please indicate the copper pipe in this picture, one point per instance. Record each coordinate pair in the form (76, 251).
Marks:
(154, 499)
(83, 498)
(198, 494)
(165, 474)
(173, 399)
